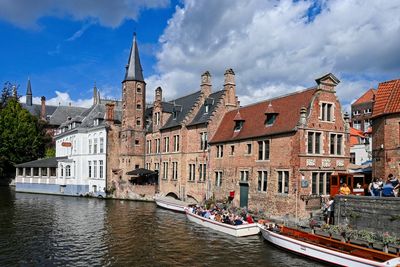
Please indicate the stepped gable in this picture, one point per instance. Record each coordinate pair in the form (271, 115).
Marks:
(387, 98)
(186, 104)
(287, 107)
(202, 116)
(368, 96)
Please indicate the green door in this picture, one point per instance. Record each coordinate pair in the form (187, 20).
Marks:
(244, 194)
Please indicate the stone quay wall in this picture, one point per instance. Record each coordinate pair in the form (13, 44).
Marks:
(377, 214)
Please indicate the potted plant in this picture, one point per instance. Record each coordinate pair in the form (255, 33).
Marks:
(386, 240)
(367, 236)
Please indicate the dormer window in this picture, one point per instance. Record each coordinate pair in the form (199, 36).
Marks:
(207, 108)
(270, 119)
(238, 125)
(270, 115)
(73, 125)
(239, 121)
(175, 111)
(96, 122)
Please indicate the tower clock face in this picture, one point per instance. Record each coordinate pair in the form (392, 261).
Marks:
(204, 78)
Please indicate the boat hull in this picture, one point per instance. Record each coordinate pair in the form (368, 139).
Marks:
(320, 253)
(171, 204)
(238, 231)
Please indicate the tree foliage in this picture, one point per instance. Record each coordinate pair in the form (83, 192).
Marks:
(21, 137)
(9, 90)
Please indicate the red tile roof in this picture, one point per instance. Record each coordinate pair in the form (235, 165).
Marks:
(368, 96)
(354, 136)
(288, 109)
(387, 99)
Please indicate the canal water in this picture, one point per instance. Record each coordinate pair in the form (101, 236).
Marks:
(46, 230)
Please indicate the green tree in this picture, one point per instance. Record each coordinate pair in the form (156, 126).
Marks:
(9, 90)
(21, 138)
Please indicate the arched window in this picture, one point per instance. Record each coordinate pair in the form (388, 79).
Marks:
(68, 171)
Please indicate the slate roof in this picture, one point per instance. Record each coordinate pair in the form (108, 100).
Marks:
(288, 109)
(387, 98)
(211, 101)
(62, 113)
(35, 109)
(134, 70)
(184, 104)
(368, 96)
(41, 163)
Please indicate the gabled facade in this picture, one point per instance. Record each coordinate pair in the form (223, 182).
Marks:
(279, 154)
(361, 111)
(386, 130)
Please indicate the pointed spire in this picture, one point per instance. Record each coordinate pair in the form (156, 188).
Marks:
(29, 93)
(134, 68)
(95, 94)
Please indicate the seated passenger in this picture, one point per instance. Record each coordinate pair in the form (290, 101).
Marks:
(249, 219)
(387, 189)
(344, 190)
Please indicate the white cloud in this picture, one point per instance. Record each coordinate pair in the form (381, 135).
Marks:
(25, 13)
(61, 99)
(276, 47)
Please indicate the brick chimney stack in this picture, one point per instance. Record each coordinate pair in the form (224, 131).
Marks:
(158, 96)
(43, 108)
(110, 112)
(230, 88)
(205, 85)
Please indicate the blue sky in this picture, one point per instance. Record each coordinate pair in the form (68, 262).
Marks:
(274, 47)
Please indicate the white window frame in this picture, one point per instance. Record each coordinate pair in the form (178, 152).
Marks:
(264, 181)
(218, 178)
(244, 176)
(284, 181)
(313, 135)
(323, 111)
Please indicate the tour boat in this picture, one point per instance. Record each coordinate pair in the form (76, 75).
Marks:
(235, 230)
(171, 204)
(326, 249)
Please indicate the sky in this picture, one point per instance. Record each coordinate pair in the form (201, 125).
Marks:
(274, 47)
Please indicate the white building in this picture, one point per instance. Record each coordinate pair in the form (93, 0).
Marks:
(80, 165)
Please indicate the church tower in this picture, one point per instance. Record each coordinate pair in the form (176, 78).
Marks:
(29, 93)
(132, 135)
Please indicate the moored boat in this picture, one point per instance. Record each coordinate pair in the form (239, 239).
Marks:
(326, 249)
(171, 204)
(234, 230)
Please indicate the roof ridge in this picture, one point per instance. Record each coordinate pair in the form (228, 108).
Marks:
(279, 97)
(172, 100)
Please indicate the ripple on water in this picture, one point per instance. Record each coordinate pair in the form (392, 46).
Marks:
(45, 230)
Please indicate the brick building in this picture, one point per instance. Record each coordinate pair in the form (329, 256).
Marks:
(386, 130)
(275, 155)
(361, 111)
(168, 137)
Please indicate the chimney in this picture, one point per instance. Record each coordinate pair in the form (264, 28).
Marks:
(43, 108)
(230, 88)
(205, 85)
(158, 96)
(110, 112)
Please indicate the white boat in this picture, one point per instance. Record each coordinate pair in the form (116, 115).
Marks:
(235, 230)
(171, 204)
(326, 249)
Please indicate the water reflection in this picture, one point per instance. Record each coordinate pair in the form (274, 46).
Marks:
(50, 230)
